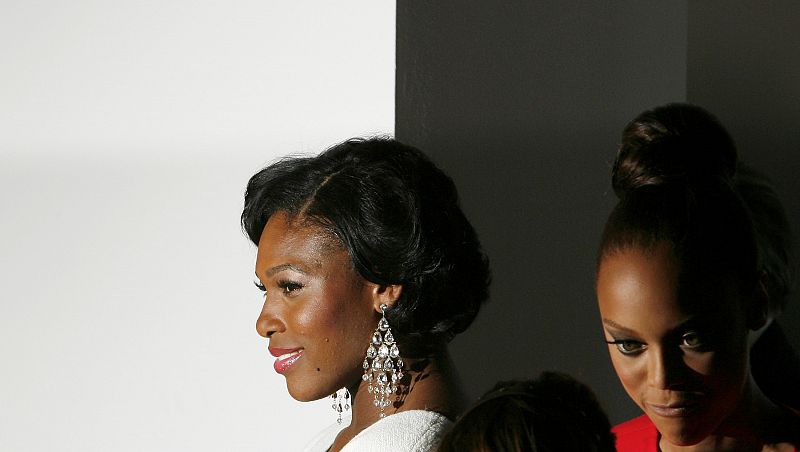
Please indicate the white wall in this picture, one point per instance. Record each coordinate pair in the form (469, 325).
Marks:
(127, 133)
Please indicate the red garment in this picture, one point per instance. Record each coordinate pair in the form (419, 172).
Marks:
(638, 435)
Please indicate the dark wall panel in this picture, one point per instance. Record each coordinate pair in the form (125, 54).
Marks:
(744, 65)
(522, 102)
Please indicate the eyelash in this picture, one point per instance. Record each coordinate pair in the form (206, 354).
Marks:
(702, 344)
(620, 343)
(286, 286)
(289, 286)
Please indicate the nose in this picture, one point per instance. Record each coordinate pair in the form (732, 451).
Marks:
(269, 320)
(666, 368)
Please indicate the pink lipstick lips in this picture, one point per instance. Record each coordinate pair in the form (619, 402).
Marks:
(286, 357)
(673, 410)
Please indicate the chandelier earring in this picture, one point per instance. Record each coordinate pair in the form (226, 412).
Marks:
(341, 402)
(383, 366)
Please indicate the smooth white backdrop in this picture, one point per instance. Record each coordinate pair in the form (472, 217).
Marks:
(127, 133)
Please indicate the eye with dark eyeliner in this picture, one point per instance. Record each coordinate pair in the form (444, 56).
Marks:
(628, 346)
(693, 340)
(260, 286)
(289, 287)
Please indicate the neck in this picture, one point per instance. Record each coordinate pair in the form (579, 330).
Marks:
(429, 383)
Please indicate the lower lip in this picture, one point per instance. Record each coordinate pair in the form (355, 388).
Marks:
(673, 411)
(282, 365)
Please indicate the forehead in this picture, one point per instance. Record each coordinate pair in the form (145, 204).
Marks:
(292, 240)
(634, 280)
(649, 285)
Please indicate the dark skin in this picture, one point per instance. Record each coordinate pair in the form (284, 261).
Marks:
(680, 351)
(311, 291)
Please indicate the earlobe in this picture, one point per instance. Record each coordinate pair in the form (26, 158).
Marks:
(387, 295)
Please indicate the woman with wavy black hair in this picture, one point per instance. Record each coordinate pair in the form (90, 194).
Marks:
(369, 268)
(681, 291)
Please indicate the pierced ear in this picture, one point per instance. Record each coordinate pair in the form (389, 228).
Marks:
(387, 295)
(758, 311)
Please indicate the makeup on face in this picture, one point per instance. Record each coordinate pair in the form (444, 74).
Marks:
(318, 313)
(682, 358)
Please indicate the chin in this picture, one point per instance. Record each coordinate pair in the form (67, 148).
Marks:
(305, 398)
(300, 392)
(304, 393)
(682, 436)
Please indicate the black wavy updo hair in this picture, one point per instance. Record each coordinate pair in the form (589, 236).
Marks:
(398, 217)
(675, 177)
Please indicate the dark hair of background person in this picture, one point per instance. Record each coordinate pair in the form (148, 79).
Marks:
(399, 218)
(774, 363)
(678, 179)
(554, 412)
(773, 234)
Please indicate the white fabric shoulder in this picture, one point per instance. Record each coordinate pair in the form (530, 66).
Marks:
(407, 431)
(324, 439)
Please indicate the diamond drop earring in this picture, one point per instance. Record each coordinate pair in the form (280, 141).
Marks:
(383, 366)
(341, 402)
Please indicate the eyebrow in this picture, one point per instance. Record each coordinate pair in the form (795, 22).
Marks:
(688, 323)
(279, 268)
(617, 326)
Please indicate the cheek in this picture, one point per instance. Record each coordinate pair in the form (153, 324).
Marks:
(338, 322)
(727, 373)
(322, 312)
(630, 374)
(705, 364)
(726, 361)
(318, 319)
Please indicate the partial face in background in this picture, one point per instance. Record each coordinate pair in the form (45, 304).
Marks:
(318, 312)
(680, 350)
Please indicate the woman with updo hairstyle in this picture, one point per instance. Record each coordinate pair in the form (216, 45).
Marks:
(369, 268)
(681, 291)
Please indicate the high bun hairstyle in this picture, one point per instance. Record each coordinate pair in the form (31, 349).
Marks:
(677, 144)
(399, 219)
(675, 177)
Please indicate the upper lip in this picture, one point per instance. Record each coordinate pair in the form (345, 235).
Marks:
(677, 400)
(674, 408)
(276, 352)
(675, 404)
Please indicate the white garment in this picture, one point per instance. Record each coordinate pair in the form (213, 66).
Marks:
(406, 431)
